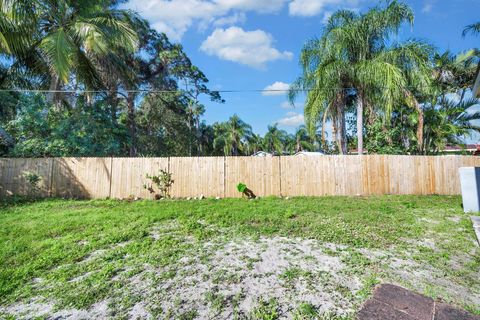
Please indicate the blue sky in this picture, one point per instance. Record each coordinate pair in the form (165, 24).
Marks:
(254, 44)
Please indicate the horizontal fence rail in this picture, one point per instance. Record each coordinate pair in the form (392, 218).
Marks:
(218, 176)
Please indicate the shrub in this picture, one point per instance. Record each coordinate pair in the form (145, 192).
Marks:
(163, 181)
(33, 180)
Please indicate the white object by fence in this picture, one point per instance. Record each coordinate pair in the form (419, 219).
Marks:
(469, 181)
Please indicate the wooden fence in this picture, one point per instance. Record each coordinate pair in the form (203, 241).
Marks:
(219, 176)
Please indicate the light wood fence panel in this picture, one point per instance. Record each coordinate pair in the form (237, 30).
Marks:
(12, 176)
(81, 177)
(197, 176)
(260, 174)
(219, 176)
(129, 176)
(306, 176)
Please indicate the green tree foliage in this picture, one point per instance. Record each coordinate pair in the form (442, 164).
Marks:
(116, 87)
(356, 68)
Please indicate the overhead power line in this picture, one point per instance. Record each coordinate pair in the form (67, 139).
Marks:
(147, 91)
(171, 91)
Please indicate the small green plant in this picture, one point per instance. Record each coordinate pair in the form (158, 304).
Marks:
(33, 181)
(241, 187)
(163, 181)
(306, 311)
(266, 310)
(245, 191)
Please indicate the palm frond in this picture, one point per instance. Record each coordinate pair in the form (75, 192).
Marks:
(473, 28)
(59, 52)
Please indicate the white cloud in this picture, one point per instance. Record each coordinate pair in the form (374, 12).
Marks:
(428, 5)
(263, 6)
(310, 8)
(175, 17)
(277, 88)
(236, 18)
(292, 119)
(251, 48)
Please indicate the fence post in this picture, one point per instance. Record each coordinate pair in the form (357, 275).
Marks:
(224, 177)
(50, 187)
(110, 178)
(280, 174)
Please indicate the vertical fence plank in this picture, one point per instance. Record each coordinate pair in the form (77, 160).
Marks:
(260, 174)
(129, 176)
(81, 177)
(197, 176)
(12, 176)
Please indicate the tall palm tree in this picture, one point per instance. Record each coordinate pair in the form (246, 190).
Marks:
(232, 135)
(274, 140)
(66, 38)
(254, 143)
(355, 60)
(300, 141)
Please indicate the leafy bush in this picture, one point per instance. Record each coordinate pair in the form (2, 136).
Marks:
(163, 181)
(33, 180)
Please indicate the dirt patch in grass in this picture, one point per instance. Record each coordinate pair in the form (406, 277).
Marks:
(247, 278)
(232, 258)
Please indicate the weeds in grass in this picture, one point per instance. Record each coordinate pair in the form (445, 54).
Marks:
(96, 249)
(266, 310)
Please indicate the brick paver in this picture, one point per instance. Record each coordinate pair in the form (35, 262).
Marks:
(390, 302)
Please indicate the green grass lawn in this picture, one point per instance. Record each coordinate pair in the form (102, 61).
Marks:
(302, 258)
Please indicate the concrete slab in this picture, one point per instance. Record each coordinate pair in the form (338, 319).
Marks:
(417, 306)
(390, 302)
(446, 312)
(378, 310)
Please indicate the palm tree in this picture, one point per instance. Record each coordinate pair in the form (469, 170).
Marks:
(232, 135)
(66, 38)
(454, 73)
(302, 140)
(354, 60)
(274, 140)
(254, 143)
(16, 26)
(449, 122)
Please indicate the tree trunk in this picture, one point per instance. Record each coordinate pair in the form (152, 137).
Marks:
(343, 132)
(113, 105)
(341, 128)
(235, 149)
(52, 96)
(360, 124)
(131, 123)
(419, 126)
(418, 109)
(324, 123)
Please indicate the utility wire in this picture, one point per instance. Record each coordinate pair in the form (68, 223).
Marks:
(148, 91)
(166, 91)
